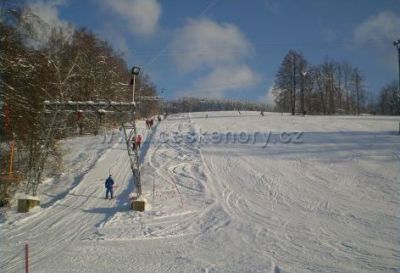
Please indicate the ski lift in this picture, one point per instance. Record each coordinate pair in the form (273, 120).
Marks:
(78, 109)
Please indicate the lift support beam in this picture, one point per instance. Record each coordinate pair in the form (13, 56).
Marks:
(89, 106)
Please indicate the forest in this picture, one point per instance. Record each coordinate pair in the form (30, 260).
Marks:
(329, 88)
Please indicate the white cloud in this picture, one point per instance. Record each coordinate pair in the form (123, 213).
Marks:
(218, 48)
(116, 39)
(376, 34)
(269, 97)
(380, 30)
(47, 11)
(141, 16)
(119, 43)
(205, 43)
(221, 80)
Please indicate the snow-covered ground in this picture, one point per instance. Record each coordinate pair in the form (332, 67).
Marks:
(228, 193)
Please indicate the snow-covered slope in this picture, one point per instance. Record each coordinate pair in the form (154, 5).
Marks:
(230, 193)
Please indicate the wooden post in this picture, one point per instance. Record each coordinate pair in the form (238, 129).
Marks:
(26, 257)
(11, 159)
(27, 203)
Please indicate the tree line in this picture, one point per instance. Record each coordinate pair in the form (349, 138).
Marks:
(328, 88)
(191, 104)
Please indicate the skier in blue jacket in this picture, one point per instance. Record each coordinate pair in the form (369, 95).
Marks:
(109, 186)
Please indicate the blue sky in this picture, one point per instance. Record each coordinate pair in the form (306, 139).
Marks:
(233, 48)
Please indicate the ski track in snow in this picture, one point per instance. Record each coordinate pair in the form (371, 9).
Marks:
(327, 205)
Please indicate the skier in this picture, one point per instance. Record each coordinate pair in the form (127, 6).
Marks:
(109, 186)
(138, 141)
(133, 143)
(149, 123)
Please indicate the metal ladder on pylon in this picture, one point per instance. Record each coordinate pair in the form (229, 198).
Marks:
(133, 154)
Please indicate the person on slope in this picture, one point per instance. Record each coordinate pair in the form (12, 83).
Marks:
(109, 186)
(148, 123)
(138, 141)
(133, 143)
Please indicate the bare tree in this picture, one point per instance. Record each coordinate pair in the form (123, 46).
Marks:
(389, 100)
(347, 71)
(286, 85)
(358, 91)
